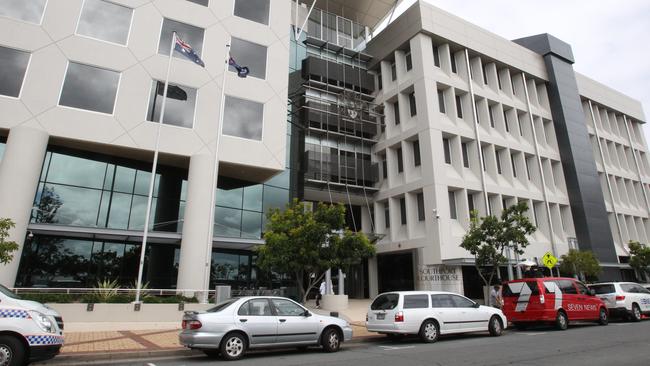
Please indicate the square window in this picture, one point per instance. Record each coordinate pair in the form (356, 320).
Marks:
(106, 21)
(420, 200)
(27, 10)
(179, 109)
(243, 118)
(249, 54)
(13, 66)
(90, 88)
(255, 10)
(188, 33)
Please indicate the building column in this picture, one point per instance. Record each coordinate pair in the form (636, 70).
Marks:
(373, 278)
(19, 174)
(194, 253)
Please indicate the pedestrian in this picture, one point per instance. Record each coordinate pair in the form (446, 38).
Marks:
(496, 301)
(321, 292)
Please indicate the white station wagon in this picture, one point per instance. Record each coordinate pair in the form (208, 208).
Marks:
(430, 314)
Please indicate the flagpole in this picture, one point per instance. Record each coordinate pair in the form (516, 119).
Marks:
(215, 176)
(154, 167)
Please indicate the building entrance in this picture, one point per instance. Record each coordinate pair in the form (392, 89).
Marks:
(395, 272)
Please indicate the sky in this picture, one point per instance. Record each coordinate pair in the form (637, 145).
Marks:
(609, 38)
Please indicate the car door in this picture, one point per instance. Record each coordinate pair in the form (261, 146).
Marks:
(590, 303)
(643, 297)
(471, 315)
(416, 309)
(295, 323)
(445, 311)
(570, 302)
(256, 318)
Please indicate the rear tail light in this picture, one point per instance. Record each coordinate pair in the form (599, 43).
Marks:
(620, 298)
(192, 324)
(399, 317)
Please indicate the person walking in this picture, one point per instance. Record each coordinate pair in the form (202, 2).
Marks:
(321, 292)
(495, 300)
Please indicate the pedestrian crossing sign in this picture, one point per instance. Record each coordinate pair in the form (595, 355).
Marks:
(549, 260)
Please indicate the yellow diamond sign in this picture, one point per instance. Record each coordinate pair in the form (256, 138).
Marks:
(549, 260)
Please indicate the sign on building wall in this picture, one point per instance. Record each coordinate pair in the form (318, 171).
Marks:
(437, 277)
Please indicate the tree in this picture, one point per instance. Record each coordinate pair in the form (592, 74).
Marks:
(305, 243)
(489, 237)
(7, 247)
(640, 258)
(582, 263)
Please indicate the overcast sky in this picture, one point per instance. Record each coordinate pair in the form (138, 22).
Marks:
(609, 38)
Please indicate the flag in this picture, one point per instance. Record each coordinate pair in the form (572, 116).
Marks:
(187, 51)
(173, 91)
(242, 71)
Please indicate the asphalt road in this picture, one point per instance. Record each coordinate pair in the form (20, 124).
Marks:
(616, 344)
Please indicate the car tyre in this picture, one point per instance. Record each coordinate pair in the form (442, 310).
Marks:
(635, 315)
(331, 340)
(233, 346)
(603, 319)
(495, 327)
(12, 351)
(561, 321)
(212, 353)
(429, 331)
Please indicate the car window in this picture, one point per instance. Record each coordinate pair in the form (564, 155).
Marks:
(628, 287)
(5, 291)
(462, 302)
(507, 290)
(385, 302)
(287, 308)
(441, 301)
(416, 301)
(255, 307)
(221, 306)
(641, 290)
(582, 289)
(566, 286)
(603, 289)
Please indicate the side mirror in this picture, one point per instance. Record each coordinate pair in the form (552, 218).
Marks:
(476, 305)
(592, 292)
(306, 314)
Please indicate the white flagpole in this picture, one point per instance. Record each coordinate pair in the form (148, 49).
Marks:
(215, 175)
(154, 167)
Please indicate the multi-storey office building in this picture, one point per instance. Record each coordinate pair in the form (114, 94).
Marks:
(411, 129)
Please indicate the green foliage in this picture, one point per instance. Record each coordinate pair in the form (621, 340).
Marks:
(301, 242)
(582, 263)
(489, 237)
(105, 291)
(7, 247)
(640, 258)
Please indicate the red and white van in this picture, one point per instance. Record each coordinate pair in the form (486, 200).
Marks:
(554, 300)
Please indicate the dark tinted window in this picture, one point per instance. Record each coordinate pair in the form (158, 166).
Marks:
(90, 88)
(420, 200)
(566, 286)
(603, 289)
(416, 153)
(221, 306)
(441, 301)
(13, 65)
(512, 289)
(416, 301)
(582, 289)
(462, 302)
(256, 307)
(385, 302)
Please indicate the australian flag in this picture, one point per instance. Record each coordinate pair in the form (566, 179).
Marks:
(242, 71)
(188, 52)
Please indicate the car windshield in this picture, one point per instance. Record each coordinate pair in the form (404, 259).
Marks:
(221, 306)
(603, 289)
(385, 302)
(5, 291)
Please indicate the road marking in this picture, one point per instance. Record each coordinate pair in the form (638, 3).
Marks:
(391, 348)
(532, 334)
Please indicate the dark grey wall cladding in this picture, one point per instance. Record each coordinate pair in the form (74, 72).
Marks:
(583, 185)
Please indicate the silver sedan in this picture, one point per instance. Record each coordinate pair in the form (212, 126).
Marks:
(234, 326)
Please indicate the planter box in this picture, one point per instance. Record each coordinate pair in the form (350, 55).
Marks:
(77, 313)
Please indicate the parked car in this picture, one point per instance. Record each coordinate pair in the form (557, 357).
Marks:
(552, 300)
(29, 331)
(430, 314)
(234, 326)
(628, 300)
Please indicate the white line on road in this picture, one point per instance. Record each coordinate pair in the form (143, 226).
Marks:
(391, 348)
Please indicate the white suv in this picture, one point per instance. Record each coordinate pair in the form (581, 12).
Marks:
(625, 299)
(430, 314)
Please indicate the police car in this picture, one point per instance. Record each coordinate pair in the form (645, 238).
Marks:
(29, 331)
(628, 300)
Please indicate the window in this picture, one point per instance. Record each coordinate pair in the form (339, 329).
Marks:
(499, 80)
(416, 301)
(402, 210)
(491, 109)
(243, 118)
(416, 153)
(441, 301)
(514, 165)
(396, 112)
(470, 203)
(255, 10)
(90, 88)
(393, 71)
(249, 54)
(255, 307)
(200, 2)
(536, 223)
(441, 101)
(459, 107)
(582, 289)
(179, 109)
(400, 160)
(409, 61)
(13, 66)
(436, 56)
(566, 286)
(527, 168)
(452, 205)
(604, 289)
(454, 68)
(462, 302)
(29, 11)
(188, 33)
(379, 81)
(106, 21)
(385, 302)
(484, 74)
(465, 152)
(478, 115)
(483, 160)
(412, 105)
(521, 130)
(386, 215)
(447, 150)
(287, 308)
(384, 167)
(420, 200)
(512, 83)
(498, 159)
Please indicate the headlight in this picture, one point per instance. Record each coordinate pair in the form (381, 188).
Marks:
(43, 321)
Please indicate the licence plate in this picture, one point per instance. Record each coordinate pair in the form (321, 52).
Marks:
(381, 316)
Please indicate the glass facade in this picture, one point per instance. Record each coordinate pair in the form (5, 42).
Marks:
(90, 88)
(335, 29)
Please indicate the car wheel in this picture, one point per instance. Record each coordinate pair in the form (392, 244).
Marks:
(212, 353)
(602, 317)
(429, 331)
(331, 340)
(636, 313)
(12, 351)
(495, 327)
(561, 321)
(233, 347)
